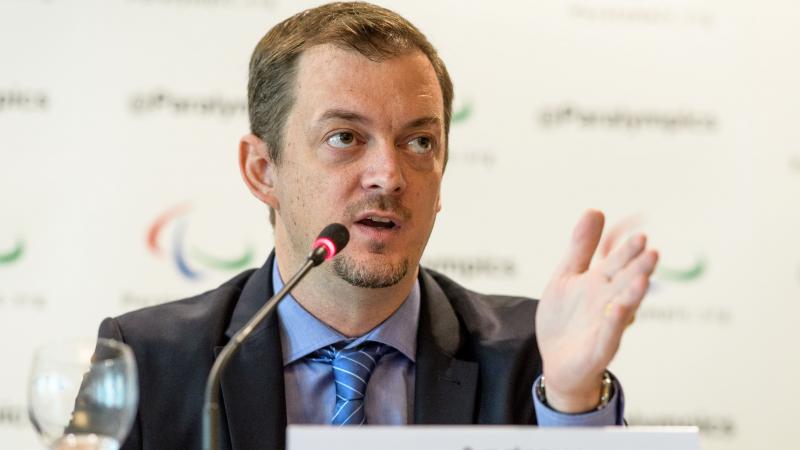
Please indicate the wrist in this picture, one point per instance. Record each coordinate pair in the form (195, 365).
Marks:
(595, 396)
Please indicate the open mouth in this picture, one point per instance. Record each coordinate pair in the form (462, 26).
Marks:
(377, 222)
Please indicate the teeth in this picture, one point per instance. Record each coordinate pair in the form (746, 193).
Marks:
(379, 219)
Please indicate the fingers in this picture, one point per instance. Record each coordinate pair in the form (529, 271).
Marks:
(620, 313)
(617, 260)
(633, 279)
(616, 232)
(585, 239)
(617, 318)
(631, 284)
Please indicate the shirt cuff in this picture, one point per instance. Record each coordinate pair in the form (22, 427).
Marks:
(610, 415)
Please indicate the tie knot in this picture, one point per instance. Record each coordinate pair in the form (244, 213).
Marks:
(367, 354)
(352, 369)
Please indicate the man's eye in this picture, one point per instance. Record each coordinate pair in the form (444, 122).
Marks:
(342, 139)
(421, 144)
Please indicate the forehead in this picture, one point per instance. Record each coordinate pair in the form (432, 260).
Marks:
(332, 77)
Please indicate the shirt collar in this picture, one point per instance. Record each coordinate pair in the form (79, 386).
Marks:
(302, 333)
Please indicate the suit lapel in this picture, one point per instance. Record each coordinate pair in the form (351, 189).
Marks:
(253, 396)
(445, 387)
(252, 384)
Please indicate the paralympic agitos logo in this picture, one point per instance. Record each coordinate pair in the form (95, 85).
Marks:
(12, 254)
(462, 114)
(690, 272)
(190, 261)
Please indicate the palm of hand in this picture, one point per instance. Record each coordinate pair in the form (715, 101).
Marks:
(584, 311)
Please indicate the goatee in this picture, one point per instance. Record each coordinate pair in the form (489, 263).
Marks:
(370, 277)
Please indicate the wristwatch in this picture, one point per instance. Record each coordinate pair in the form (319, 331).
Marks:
(606, 391)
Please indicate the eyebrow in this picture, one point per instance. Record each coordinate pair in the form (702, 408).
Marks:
(343, 114)
(423, 121)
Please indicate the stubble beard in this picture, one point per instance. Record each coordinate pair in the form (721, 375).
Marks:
(368, 276)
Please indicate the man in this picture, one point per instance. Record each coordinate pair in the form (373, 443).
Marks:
(349, 109)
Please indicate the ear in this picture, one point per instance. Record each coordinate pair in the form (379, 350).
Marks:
(257, 169)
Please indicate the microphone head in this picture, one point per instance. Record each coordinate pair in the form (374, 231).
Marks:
(331, 240)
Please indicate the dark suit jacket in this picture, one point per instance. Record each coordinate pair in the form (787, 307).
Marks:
(476, 361)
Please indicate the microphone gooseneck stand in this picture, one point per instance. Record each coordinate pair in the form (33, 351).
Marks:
(332, 240)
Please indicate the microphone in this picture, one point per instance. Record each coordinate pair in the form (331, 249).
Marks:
(331, 240)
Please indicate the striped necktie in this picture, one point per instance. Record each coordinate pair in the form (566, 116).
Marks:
(352, 369)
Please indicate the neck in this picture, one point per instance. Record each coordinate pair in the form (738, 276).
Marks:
(350, 310)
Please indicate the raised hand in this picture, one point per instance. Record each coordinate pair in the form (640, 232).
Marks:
(584, 310)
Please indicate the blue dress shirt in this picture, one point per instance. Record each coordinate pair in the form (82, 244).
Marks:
(389, 399)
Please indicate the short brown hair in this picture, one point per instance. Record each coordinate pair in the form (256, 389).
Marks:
(373, 31)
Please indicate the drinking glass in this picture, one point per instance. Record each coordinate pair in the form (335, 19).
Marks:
(83, 394)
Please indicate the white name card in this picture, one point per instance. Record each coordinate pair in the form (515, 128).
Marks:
(491, 438)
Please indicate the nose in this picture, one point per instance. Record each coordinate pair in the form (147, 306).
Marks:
(384, 171)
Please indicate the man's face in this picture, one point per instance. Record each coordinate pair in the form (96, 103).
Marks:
(365, 146)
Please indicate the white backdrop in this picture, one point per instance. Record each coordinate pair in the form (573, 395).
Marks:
(119, 123)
